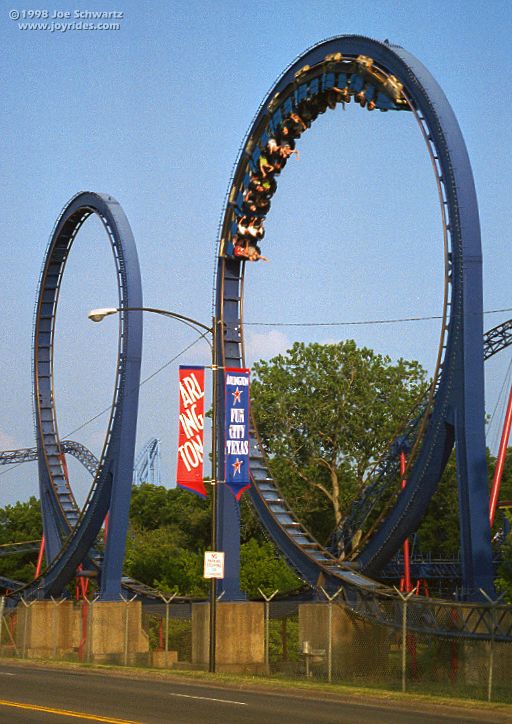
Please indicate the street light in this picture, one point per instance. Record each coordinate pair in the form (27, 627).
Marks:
(98, 315)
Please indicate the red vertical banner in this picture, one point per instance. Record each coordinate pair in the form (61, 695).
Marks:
(191, 430)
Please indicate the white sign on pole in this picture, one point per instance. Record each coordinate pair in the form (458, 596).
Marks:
(213, 564)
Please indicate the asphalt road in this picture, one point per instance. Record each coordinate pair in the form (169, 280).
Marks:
(33, 694)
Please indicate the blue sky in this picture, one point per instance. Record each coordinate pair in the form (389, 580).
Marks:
(154, 113)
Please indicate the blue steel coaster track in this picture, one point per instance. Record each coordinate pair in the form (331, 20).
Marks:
(393, 80)
(69, 534)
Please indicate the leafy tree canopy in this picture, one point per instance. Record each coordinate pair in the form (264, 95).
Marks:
(326, 413)
(261, 567)
(157, 558)
(439, 533)
(185, 515)
(19, 523)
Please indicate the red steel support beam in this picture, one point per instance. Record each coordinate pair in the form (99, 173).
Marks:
(407, 562)
(40, 558)
(500, 462)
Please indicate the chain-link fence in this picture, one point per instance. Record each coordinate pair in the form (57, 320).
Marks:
(169, 629)
(400, 643)
(464, 654)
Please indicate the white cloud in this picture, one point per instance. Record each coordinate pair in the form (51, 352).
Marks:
(7, 442)
(263, 345)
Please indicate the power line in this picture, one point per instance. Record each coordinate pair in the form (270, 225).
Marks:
(270, 324)
(359, 322)
(143, 382)
(107, 409)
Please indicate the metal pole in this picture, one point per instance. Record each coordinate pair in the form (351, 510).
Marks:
(329, 645)
(166, 647)
(56, 604)
(404, 644)
(405, 600)
(491, 655)
(493, 605)
(213, 581)
(54, 628)
(126, 623)
(330, 599)
(9, 634)
(2, 609)
(267, 634)
(90, 611)
(25, 624)
(167, 602)
(267, 625)
(126, 627)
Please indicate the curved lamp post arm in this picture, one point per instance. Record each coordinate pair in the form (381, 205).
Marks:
(98, 315)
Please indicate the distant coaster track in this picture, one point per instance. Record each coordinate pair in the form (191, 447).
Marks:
(145, 470)
(29, 454)
(497, 338)
(382, 77)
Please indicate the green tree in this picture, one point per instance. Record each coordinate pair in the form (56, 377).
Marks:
(186, 516)
(19, 523)
(325, 414)
(505, 493)
(438, 532)
(155, 557)
(170, 529)
(261, 567)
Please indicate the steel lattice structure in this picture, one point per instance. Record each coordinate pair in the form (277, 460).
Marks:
(145, 470)
(147, 464)
(497, 338)
(393, 80)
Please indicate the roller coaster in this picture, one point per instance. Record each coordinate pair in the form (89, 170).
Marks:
(379, 77)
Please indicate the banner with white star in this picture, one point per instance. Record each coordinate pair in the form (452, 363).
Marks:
(236, 452)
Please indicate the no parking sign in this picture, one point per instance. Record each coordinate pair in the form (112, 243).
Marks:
(213, 564)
